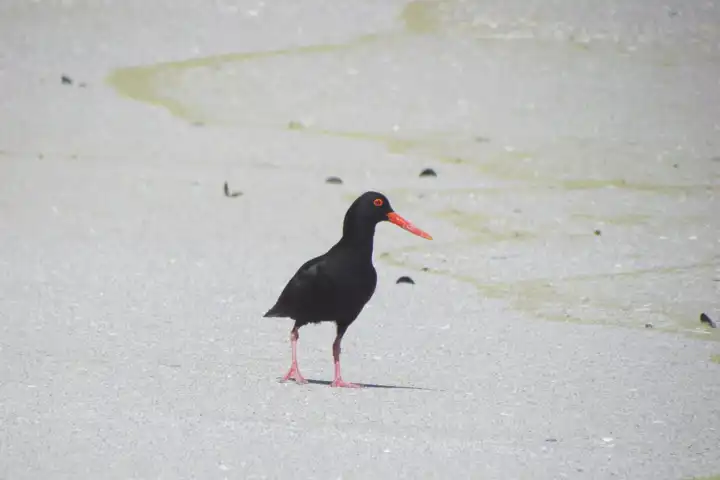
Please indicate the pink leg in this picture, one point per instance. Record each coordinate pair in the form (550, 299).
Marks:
(338, 381)
(294, 372)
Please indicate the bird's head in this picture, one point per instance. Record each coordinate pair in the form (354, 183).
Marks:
(375, 207)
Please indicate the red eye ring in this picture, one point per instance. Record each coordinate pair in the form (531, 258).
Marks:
(378, 202)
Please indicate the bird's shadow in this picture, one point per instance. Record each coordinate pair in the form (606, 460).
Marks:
(364, 385)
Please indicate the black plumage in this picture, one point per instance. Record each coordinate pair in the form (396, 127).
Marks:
(335, 286)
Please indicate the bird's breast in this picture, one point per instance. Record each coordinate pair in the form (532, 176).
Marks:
(357, 283)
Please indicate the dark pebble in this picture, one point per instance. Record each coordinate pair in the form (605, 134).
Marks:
(66, 80)
(648, 325)
(551, 440)
(428, 172)
(425, 269)
(598, 233)
(705, 319)
(405, 279)
(230, 194)
(334, 180)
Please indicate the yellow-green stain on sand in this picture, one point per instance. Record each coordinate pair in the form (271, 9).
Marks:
(143, 83)
(421, 16)
(630, 219)
(589, 184)
(480, 227)
(140, 83)
(715, 359)
(393, 144)
(545, 298)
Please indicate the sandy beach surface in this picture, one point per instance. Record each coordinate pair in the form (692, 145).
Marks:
(553, 328)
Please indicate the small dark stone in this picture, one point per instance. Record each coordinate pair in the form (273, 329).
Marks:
(405, 279)
(428, 172)
(82, 84)
(334, 180)
(551, 440)
(230, 194)
(598, 233)
(425, 269)
(649, 325)
(705, 319)
(66, 80)
(675, 165)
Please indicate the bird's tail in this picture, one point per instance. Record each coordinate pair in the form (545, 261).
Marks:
(273, 312)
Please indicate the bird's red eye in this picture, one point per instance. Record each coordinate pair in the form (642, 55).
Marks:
(378, 202)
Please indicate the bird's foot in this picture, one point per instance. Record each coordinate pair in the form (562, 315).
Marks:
(339, 382)
(295, 375)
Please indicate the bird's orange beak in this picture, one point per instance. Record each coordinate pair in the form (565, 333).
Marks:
(402, 223)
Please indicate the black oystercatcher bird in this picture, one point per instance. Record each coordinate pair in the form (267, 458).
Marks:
(335, 286)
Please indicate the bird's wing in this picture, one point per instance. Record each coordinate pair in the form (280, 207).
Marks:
(304, 293)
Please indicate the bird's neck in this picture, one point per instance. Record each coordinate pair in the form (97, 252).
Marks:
(358, 234)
